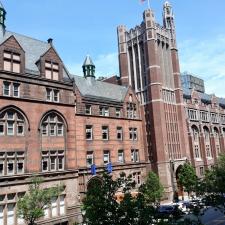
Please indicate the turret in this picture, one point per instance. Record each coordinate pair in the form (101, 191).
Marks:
(168, 17)
(88, 67)
(2, 20)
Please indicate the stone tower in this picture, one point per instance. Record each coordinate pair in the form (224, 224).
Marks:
(148, 60)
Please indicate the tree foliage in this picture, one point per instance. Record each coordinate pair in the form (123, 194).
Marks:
(134, 208)
(187, 178)
(31, 206)
(152, 189)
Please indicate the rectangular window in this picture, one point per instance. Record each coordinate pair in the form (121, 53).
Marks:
(20, 129)
(52, 70)
(45, 157)
(10, 128)
(11, 62)
(53, 162)
(16, 90)
(106, 157)
(2, 129)
(62, 205)
(89, 132)
(105, 133)
(90, 159)
(10, 214)
(52, 129)
(56, 95)
(6, 88)
(49, 94)
(60, 129)
(197, 153)
(1, 167)
(135, 155)
(87, 109)
(118, 112)
(120, 156)
(119, 133)
(54, 207)
(133, 133)
(61, 160)
(44, 129)
(20, 166)
(103, 111)
(201, 170)
(10, 166)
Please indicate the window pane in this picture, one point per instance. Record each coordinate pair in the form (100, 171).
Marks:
(62, 204)
(20, 129)
(60, 130)
(48, 65)
(16, 67)
(16, 57)
(55, 75)
(10, 128)
(55, 66)
(1, 129)
(54, 207)
(7, 65)
(48, 74)
(6, 88)
(1, 167)
(10, 214)
(44, 129)
(20, 166)
(45, 164)
(61, 163)
(7, 55)
(10, 167)
(16, 90)
(49, 94)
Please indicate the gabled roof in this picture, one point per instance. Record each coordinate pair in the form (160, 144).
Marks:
(33, 49)
(89, 87)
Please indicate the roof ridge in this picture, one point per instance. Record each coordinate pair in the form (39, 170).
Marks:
(28, 37)
(102, 82)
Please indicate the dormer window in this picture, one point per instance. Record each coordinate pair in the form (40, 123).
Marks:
(11, 62)
(51, 70)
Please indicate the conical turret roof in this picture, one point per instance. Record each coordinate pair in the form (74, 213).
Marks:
(88, 61)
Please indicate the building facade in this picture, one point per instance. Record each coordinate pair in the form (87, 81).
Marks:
(64, 128)
(206, 128)
(149, 63)
(182, 122)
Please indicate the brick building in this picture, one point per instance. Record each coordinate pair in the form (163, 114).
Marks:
(59, 126)
(182, 122)
(148, 59)
(206, 126)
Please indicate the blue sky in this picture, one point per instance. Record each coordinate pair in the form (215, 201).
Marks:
(81, 27)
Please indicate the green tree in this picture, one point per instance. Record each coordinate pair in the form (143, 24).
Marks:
(101, 207)
(187, 178)
(152, 189)
(31, 206)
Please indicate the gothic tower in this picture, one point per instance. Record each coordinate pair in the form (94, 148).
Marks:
(149, 63)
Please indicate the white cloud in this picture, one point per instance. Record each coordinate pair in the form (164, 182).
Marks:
(106, 65)
(206, 59)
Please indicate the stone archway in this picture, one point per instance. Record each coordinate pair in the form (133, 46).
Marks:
(180, 189)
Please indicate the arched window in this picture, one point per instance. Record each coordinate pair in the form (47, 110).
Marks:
(12, 123)
(195, 133)
(52, 125)
(207, 142)
(217, 140)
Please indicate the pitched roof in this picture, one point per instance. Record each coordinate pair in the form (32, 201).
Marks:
(89, 87)
(33, 49)
(88, 61)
